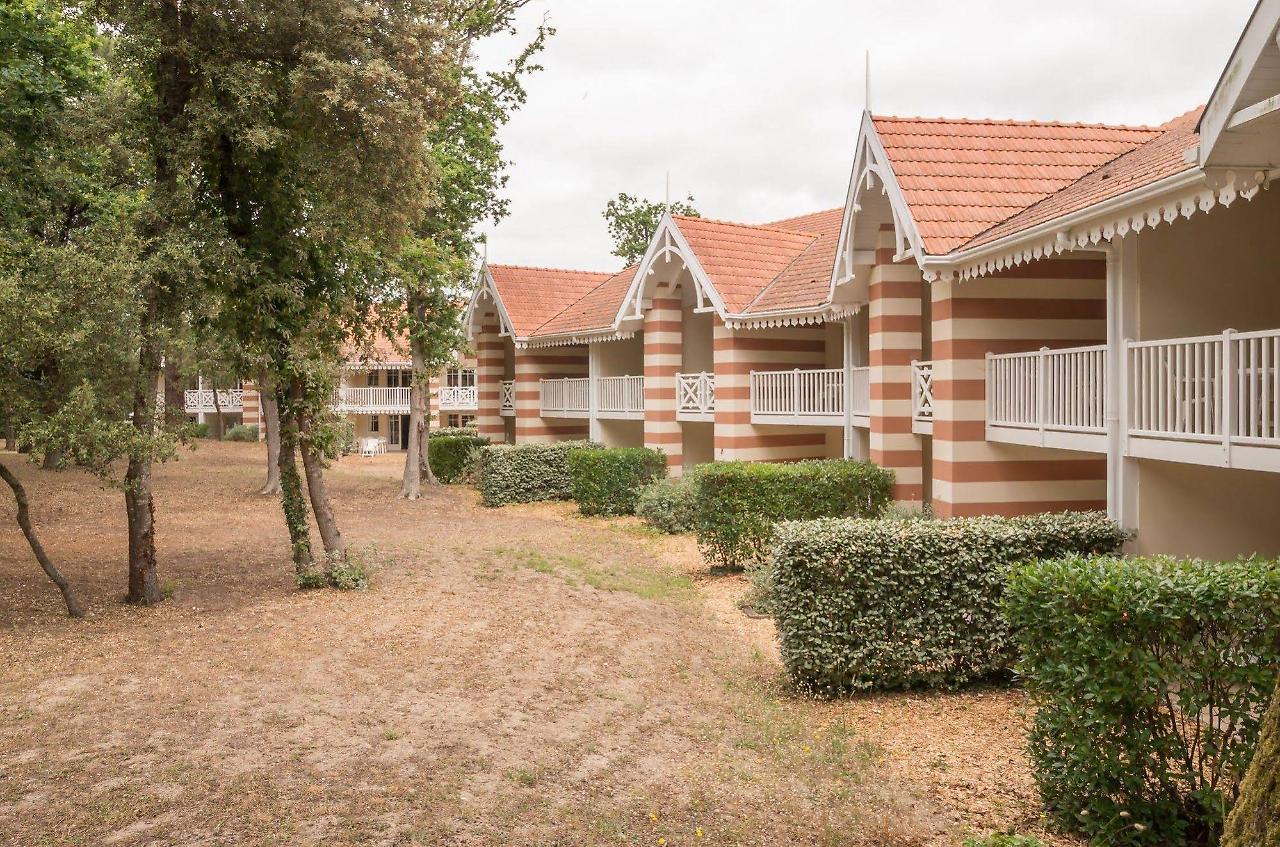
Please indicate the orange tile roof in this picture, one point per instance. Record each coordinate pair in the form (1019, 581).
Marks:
(594, 311)
(1159, 157)
(807, 281)
(961, 177)
(740, 259)
(533, 296)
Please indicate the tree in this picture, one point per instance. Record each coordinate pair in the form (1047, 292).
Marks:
(437, 264)
(1255, 819)
(634, 220)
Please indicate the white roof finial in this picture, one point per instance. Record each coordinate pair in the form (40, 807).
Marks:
(866, 94)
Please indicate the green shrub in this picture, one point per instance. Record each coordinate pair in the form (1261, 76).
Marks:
(736, 504)
(200, 430)
(1150, 677)
(607, 482)
(524, 473)
(668, 504)
(1001, 839)
(454, 431)
(883, 604)
(449, 454)
(240, 432)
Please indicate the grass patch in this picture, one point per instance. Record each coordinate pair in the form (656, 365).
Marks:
(526, 777)
(640, 579)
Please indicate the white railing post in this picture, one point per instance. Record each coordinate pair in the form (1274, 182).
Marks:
(1042, 390)
(1227, 418)
(795, 392)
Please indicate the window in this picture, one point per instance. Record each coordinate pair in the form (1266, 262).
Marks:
(454, 420)
(373, 423)
(393, 429)
(372, 379)
(393, 379)
(468, 420)
(460, 378)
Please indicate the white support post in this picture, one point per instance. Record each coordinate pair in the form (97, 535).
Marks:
(1122, 325)
(850, 448)
(200, 399)
(1042, 391)
(1228, 415)
(593, 394)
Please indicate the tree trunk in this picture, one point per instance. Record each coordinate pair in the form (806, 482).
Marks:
(220, 429)
(424, 466)
(52, 460)
(10, 437)
(313, 464)
(419, 392)
(292, 500)
(1255, 819)
(144, 584)
(174, 399)
(24, 521)
(271, 417)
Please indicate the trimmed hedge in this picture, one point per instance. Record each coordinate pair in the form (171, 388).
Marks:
(449, 454)
(525, 473)
(737, 504)
(454, 431)
(607, 482)
(668, 505)
(240, 432)
(885, 604)
(1150, 677)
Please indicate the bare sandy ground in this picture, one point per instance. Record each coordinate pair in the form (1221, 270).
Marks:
(516, 676)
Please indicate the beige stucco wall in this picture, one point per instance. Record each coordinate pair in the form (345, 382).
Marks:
(615, 433)
(1197, 277)
(624, 357)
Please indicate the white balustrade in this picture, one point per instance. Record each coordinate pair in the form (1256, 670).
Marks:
(1057, 390)
(372, 399)
(861, 378)
(570, 395)
(798, 396)
(458, 397)
(620, 394)
(508, 397)
(201, 400)
(922, 391)
(695, 394)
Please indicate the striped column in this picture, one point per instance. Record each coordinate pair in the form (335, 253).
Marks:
(663, 354)
(894, 327)
(737, 353)
(251, 411)
(490, 351)
(531, 367)
(1058, 302)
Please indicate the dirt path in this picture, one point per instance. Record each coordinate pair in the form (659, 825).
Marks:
(519, 676)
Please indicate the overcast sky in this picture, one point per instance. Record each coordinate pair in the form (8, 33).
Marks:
(753, 106)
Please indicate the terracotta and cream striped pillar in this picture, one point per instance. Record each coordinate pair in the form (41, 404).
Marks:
(531, 367)
(663, 354)
(251, 410)
(490, 350)
(894, 329)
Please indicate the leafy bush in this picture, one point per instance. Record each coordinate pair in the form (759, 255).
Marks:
(737, 503)
(454, 431)
(1151, 676)
(524, 473)
(607, 482)
(882, 604)
(1001, 839)
(200, 430)
(668, 504)
(240, 432)
(449, 454)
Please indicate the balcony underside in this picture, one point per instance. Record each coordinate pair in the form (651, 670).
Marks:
(782, 419)
(1085, 442)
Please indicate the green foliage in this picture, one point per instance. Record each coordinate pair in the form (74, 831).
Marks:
(607, 482)
(449, 454)
(200, 430)
(1150, 677)
(668, 505)
(738, 503)
(885, 604)
(1000, 839)
(240, 432)
(525, 473)
(454, 432)
(634, 220)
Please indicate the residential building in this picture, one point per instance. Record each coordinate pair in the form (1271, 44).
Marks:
(1014, 316)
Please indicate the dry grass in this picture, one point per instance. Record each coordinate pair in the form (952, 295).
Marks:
(520, 676)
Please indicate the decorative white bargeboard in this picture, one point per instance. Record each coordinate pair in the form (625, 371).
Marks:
(372, 400)
(620, 397)
(695, 396)
(453, 398)
(569, 397)
(508, 398)
(804, 397)
(201, 400)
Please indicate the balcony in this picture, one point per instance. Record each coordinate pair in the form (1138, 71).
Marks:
(374, 401)
(809, 397)
(508, 408)
(620, 397)
(455, 398)
(696, 397)
(201, 400)
(922, 398)
(1206, 400)
(565, 398)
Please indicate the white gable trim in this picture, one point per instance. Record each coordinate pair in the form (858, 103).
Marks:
(870, 163)
(1259, 35)
(668, 241)
(486, 287)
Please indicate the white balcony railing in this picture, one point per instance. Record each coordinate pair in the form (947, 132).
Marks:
(922, 391)
(695, 396)
(798, 396)
(620, 396)
(508, 397)
(201, 400)
(861, 378)
(455, 397)
(1055, 390)
(568, 397)
(372, 400)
